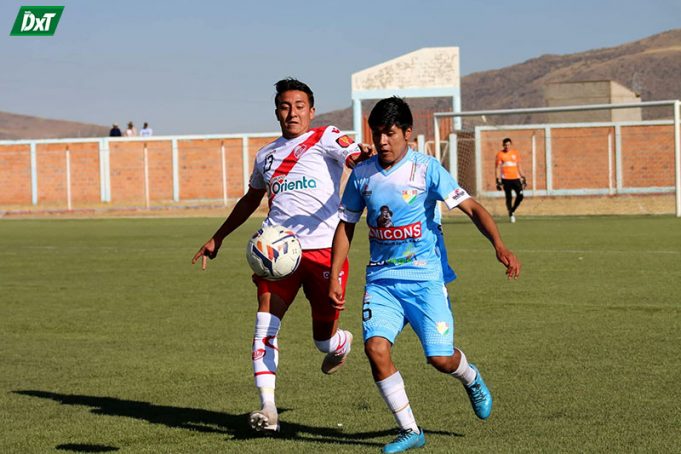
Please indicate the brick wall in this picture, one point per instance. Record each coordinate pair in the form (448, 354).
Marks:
(85, 181)
(201, 168)
(648, 156)
(579, 161)
(15, 175)
(579, 156)
(126, 162)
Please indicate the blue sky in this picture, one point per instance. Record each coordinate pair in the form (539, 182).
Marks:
(209, 67)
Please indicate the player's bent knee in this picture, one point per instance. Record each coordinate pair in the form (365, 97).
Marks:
(377, 349)
(445, 364)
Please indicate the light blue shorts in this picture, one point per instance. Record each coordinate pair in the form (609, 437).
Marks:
(390, 304)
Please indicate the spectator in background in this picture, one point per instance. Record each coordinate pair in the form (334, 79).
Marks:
(115, 131)
(146, 131)
(131, 131)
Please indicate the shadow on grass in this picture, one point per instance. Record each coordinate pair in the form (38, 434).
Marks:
(85, 447)
(208, 421)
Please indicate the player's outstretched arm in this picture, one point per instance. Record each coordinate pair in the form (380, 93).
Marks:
(339, 252)
(241, 211)
(484, 222)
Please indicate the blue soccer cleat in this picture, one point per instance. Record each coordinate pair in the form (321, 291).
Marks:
(481, 398)
(407, 439)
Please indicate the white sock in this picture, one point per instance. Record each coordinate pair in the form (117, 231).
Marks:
(266, 397)
(338, 343)
(464, 373)
(393, 392)
(265, 352)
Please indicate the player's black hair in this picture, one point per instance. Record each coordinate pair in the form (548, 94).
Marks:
(506, 139)
(391, 111)
(293, 84)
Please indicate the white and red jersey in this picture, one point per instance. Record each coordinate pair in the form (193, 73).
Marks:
(302, 178)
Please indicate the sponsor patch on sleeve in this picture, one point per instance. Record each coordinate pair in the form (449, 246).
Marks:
(456, 197)
(344, 141)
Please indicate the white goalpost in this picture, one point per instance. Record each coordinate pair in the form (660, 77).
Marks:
(615, 153)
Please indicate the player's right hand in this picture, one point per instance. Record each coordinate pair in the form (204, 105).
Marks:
(336, 295)
(365, 152)
(207, 251)
(498, 184)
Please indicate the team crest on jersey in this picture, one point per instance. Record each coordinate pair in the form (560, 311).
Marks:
(442, 327)
(366, 192)
(344, 141)
(409, 195)
(299, 150)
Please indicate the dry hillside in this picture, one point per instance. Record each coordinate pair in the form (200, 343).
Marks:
(650, 66)
(14, 126)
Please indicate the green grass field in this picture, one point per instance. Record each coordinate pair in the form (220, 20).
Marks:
(111, 341)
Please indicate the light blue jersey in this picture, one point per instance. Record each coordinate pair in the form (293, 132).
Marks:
(401, 214)
(447, 271)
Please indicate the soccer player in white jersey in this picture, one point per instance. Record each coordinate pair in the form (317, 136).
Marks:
(404, 278)
(300, 172)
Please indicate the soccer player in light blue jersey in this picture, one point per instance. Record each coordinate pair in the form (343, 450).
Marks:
(399, 189)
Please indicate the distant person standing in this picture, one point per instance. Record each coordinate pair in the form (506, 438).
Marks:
(131, 131)
(146, 131)
(115, 131)
(509, 175)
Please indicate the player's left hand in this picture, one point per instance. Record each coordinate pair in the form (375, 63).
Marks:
(523, 181)
(510, 261)
(336, 295)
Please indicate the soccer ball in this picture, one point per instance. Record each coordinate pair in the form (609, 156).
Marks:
(273, 252)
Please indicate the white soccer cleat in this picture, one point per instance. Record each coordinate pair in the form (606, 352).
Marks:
(265, 419)
(334, 361)
(512, 219)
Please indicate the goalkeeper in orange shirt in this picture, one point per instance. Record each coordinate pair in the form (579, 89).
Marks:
(509, 175)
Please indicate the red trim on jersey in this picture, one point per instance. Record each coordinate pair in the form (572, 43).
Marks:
(349, 163)
(291, 160)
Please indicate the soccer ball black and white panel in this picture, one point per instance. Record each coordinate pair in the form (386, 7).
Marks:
(274, 252)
